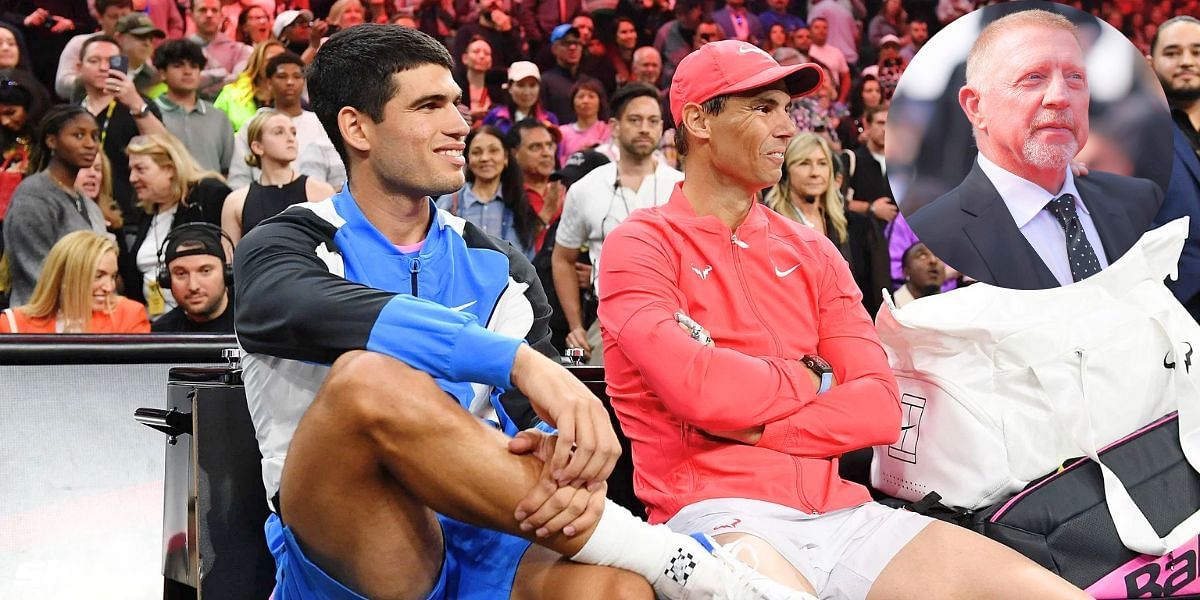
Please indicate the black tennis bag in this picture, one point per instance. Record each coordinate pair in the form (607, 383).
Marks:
(1062, 521)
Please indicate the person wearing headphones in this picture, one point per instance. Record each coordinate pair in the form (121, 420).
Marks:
(171, 190)
(197, 271)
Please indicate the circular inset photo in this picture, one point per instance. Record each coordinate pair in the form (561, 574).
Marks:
(1028, 145)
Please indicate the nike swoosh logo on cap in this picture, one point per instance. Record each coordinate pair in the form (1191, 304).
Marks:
(464, 306)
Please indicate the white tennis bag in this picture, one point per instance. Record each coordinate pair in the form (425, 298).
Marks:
(998, 386)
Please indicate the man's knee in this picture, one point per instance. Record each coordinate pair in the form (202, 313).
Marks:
(373, 389)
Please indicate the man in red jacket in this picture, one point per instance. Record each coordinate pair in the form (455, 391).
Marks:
(738, 435)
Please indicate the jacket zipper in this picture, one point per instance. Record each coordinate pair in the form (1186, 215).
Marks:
(414, 268)
(737, 263)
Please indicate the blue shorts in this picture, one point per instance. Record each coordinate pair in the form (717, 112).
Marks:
(478, 564)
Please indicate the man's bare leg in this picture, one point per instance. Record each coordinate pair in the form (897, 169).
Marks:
(379, 450)
(946, 561)
(544, 573)
(765, 559)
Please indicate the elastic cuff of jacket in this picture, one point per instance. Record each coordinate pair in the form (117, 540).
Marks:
(777, 435)
(484, 356)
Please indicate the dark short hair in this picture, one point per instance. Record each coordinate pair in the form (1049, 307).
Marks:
(370, 52)
(96, 39)
(1168, 23)
(908, 253)
(870, 112)
(174, 52)
(515, 134)
(594, 86)
(283, 58)
(52, 123)
(103, 5)
(712, 106)
(626, 93)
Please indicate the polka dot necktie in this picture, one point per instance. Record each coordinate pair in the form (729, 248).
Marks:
(1080, 253)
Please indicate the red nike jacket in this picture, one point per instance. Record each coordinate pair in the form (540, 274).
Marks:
(769, 293)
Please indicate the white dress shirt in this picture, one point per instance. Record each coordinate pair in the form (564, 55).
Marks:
(1026, 202)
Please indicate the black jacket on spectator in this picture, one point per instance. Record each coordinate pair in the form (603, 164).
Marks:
(866, 249)
(868, 180)
(556, 92)
(506, 45)
(175, 321)
(493, 81)
(203, 205)
(601, 69)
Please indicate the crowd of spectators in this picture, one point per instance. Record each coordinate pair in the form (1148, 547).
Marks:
(132, 118)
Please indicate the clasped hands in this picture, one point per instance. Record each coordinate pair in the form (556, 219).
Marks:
(576, 462)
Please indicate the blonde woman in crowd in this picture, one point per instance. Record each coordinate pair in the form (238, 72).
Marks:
(345, 14)
(251, 90)
(76, 292)
(172, 189)
(806, 192)
(273, 149)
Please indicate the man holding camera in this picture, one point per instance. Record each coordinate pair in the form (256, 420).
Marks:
(120, 111)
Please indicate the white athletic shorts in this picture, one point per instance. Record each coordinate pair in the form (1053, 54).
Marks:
(840, 553)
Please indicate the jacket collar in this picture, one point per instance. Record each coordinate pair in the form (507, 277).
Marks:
(678, 210)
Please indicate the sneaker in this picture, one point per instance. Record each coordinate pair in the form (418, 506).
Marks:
(701, 569)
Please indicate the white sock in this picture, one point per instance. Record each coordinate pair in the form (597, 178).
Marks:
(624, 541)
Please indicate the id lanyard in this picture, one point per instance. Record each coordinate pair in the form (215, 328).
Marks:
(112, 106)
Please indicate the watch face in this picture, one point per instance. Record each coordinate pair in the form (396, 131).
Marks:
(816, 363)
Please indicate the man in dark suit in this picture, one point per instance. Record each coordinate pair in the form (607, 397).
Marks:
(1021, 219)
(1175, 56)
(872, 194)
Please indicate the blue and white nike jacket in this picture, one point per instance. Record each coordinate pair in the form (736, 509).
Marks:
(319, 280)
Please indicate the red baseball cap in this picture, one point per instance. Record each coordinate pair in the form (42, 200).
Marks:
(732, 66)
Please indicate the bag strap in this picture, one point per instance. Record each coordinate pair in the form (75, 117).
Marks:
(1133, 528)
(12, 321)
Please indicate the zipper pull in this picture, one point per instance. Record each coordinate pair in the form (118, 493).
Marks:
(414, 268)
(737, 242)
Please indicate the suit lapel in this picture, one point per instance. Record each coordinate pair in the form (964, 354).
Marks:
(1013, 263)
(1187, 156)
(1116, 232)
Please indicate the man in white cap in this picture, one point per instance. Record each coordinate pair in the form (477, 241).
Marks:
(737, 424)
